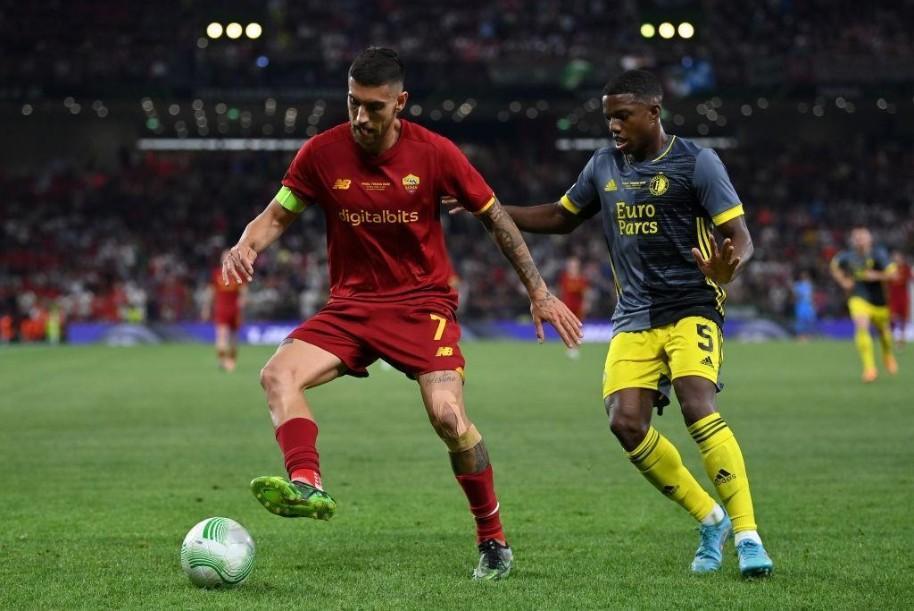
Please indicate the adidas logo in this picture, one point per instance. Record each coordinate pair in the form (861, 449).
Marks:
(611, 185)
(670, 490)
(707, 361)
(723, 476)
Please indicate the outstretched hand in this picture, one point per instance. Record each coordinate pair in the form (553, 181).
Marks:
(556, 313)
(722, 264)
(238, 265)
(452, 204)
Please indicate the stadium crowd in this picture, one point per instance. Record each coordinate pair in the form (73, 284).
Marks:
(140, 243)
(107, 45)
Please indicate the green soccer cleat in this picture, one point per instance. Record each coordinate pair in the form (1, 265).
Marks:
(710, 552)
(495, 561)
(753, 559)
(293, 499)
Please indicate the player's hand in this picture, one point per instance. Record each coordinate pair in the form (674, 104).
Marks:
(721, 266)
(239, 265)
(557, 314)
(847, 284)
(453, 205)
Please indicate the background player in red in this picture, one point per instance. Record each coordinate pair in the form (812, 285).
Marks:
(225, 306)
(573, 291)
(900, 296)
(379, 180)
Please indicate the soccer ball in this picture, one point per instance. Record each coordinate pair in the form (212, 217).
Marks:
(217, 553)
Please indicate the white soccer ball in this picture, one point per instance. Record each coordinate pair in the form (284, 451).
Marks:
(217, 553)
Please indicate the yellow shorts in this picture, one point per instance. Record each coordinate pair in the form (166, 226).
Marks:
(859, 307)
(653, 358)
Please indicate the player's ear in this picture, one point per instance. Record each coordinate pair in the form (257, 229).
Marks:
(401, 101)
(654, 112)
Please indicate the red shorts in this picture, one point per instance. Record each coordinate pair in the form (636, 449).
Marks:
(229, 316)
(415, 337)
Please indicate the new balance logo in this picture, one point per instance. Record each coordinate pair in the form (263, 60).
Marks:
(445, 351)
(723, 476)
(707, 361)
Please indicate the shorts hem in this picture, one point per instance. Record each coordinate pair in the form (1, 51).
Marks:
(357, 372)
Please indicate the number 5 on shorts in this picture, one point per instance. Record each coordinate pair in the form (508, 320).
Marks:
(442, 322)
(704, 332)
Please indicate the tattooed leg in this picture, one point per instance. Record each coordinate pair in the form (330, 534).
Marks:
(442, 393)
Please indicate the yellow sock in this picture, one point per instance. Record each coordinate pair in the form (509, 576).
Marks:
(724, 464)
(659, 461)
(885, 339)
(865, 348)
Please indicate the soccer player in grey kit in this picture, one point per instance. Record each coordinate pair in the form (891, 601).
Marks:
(661, 197)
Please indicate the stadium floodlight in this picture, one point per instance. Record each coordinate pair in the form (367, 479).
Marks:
(253, 30)
(233, 30)
(666, 30)
(214, 30)
(686, 30)
(648, 30)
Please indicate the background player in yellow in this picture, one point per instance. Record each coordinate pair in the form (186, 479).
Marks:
(660, 196)
(862, 271)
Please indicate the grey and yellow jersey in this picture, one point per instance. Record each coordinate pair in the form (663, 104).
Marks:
(654, 213)
(856, 265)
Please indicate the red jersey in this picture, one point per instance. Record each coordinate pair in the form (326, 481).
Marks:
(384, 234)
(898, 288)
(225, 298)
(572, 290)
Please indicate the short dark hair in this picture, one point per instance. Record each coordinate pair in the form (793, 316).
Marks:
(377, 66)
(640, 83)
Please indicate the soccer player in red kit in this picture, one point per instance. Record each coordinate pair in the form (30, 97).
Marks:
(225, 307)
(900, 296)
(573, 288)
(378, 180)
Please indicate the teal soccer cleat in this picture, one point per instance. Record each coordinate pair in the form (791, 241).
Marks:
(710, 552)
(753, 559)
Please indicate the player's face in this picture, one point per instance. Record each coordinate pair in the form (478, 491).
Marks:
(631, 122)
(372, 110)
(861, 240)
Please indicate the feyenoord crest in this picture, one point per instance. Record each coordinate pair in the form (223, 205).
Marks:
(659, 184)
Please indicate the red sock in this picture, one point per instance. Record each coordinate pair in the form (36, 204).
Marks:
(297, 438)
(480, 491)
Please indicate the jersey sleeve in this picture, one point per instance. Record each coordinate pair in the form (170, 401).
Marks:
(581, 198)
(299, 188)
(839, 261)
(715, 191)
(458, 178)
(884, 261)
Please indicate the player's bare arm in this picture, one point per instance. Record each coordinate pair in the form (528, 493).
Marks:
(543, 304)
(551, 218)
(544, 218)
(841, 277)
(730, 256)
(873, 275)
(259, 233)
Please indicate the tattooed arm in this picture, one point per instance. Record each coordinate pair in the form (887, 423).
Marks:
(543, 305)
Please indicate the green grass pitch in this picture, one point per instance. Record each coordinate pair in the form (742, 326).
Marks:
(108, 456)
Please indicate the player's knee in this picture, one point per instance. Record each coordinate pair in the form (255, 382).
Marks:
(626, 425)
(275, 379)
(445, 416)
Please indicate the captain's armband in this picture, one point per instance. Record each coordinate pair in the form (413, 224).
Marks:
(288, 200)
